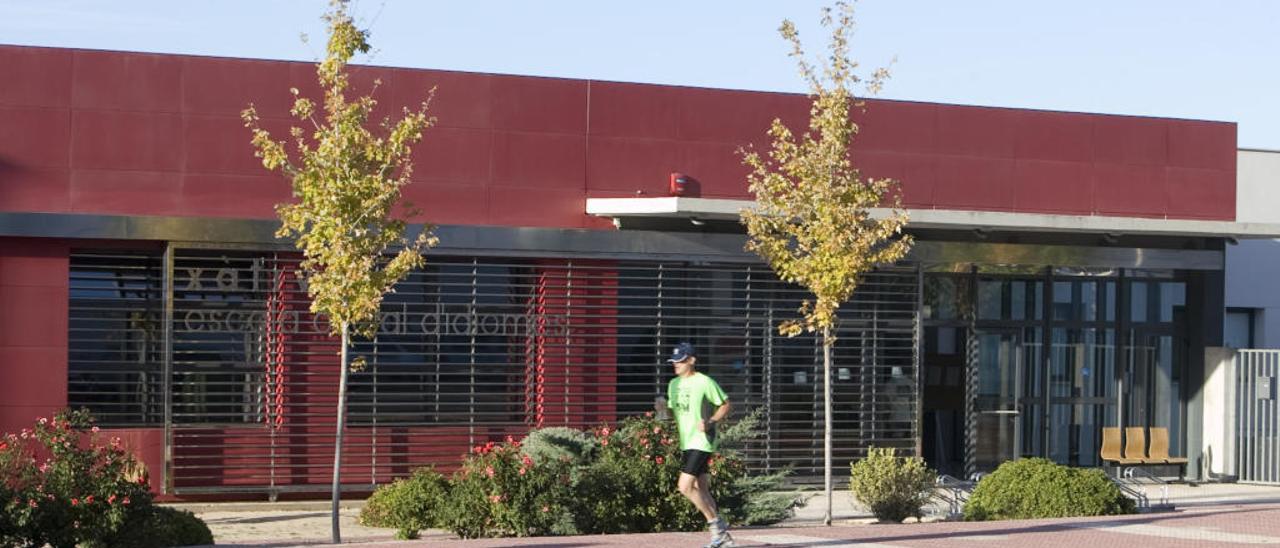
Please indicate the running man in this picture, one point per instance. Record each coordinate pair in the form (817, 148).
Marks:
(687, 394)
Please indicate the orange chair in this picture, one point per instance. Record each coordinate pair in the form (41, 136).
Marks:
(1160, 450)
(1135, 445)
(1110, 451)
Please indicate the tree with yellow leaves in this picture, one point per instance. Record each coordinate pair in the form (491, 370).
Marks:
(817, 220)
(347, 180)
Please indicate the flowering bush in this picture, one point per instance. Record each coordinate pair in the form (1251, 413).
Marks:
(631, 487)
(607, 480)
(500, 491)
(59, 490)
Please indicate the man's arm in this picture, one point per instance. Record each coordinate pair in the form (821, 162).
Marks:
(719, 415)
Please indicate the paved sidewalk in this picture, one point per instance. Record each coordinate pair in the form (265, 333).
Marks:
(1208, 515)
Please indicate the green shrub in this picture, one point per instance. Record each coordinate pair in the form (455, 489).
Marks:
(408, 505)
(59, 486)
(555, 443)
(161, 527)
(893, 488)
(1039, 488)
(631, 487)
(564, 481)
(501, 492)
(755, 499)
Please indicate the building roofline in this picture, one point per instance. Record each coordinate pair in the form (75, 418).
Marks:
(995, 221)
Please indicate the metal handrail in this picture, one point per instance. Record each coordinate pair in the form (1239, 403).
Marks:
(1139, 497)
(1136, 473)
(955, 493)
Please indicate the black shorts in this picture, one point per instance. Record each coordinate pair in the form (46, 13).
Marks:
(695, 462)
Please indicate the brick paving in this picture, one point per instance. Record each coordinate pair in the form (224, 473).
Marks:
(1224, 525)
(1209, 515)
(1206, 526)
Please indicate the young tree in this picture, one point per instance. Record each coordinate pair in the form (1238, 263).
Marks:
(818, 221)
(347, 181)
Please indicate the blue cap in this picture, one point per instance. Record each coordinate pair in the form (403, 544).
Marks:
(682, 352)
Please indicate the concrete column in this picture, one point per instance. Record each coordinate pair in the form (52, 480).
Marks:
(1217, 450)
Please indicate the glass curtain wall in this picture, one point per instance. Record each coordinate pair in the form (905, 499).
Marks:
(1021, 362)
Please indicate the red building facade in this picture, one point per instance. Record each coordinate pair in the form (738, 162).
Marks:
(108, 152)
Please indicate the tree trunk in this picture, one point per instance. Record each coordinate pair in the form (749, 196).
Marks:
(826, 418)
(337, 444)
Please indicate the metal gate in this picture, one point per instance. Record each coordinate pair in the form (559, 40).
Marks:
(1257, 443)
(217, 348)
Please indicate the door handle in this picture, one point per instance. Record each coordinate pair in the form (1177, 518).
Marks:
(1002, 412)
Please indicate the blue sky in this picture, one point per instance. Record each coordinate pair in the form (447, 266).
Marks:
(1176, 58)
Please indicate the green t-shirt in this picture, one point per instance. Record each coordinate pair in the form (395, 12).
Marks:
(686, 396)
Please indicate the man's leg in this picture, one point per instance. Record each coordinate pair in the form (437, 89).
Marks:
(688, 485)
(704, 489)
(719, 527)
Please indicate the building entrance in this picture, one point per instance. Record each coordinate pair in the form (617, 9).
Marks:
(998, 402)
(1044, 364)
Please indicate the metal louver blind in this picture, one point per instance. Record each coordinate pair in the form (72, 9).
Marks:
(475, 349)
(115, 354)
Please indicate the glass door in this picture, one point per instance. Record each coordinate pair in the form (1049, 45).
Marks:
(1153, 381)
(997, 399)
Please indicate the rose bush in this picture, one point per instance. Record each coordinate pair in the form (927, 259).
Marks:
(500, 491)
(61, 486)
(609, 479)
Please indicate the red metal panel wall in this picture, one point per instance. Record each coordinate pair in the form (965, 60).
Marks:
(33, 330)
(130, 133)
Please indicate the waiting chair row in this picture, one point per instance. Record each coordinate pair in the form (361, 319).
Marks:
(1136, 451)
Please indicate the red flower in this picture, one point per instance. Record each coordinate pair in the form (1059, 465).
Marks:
(488, 470)
(88, 499)
(648, 414)
(75, 502)
(111, 499)
(658, 460)
(604, 442)
(522, 470)
(657, 429)
(3, 446)
(125, 501)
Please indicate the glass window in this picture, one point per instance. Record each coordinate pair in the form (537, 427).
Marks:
(1109, 301)
(1138, 293)
(1173, 300)
(1065, 301)
(990, 302)
(115, 337)
(1010, 299)
(944, 297)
